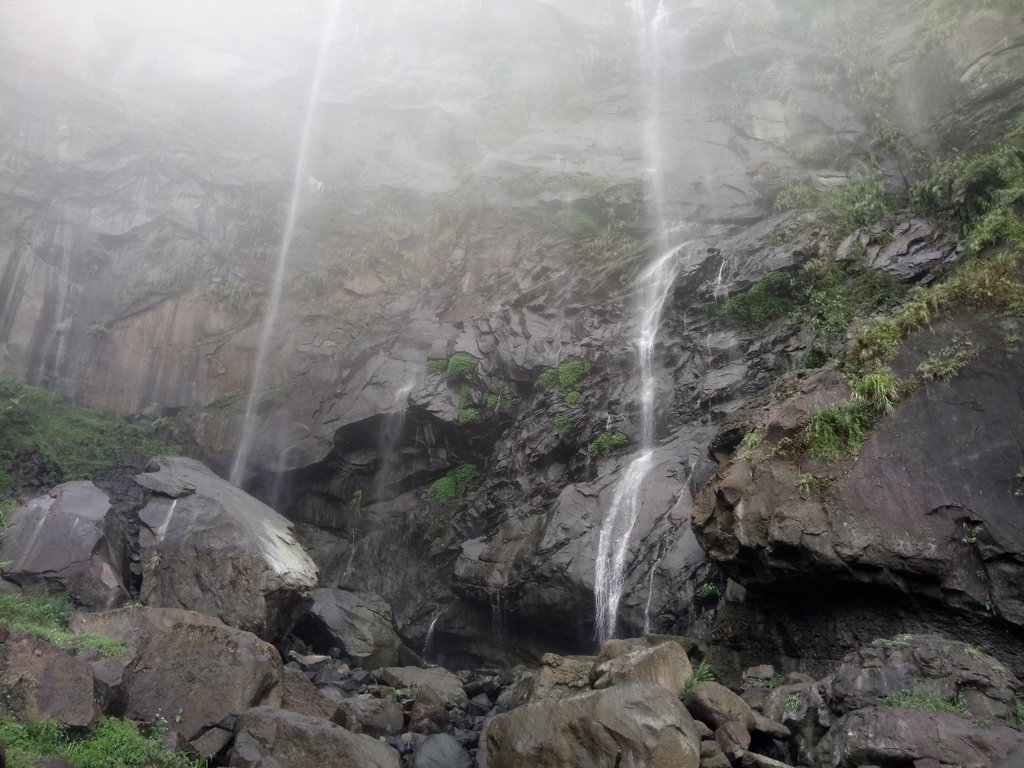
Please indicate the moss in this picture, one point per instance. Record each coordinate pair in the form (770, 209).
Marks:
(770, 298)
(561, 422)
(45, 616)
(573, 397)
(467, 416)
(83, 442)
(547, 379)
(570, 372)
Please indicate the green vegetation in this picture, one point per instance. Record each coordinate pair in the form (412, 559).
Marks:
(928, 701)
(770, 298)
(606, 444)
(491, 401)
(981, 194)
(567, 376)
(1019, 717)
(113, 743)
(749, 444)
(467, 416)
(899, 641)
(701, 674)
(435, 367)
(572, 397)
(948, 361)
(879, 390)
(454, 484)
(771, 683)
(706, 590)
(82, 442)
(837, 429)
(461, 366)
(45, 616)
(794, 702)
(807, 483)
(561, 422)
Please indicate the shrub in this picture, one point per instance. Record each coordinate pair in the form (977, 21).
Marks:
(837, 429)
(879, 390)
(44, 617)
(570, 372)
(948, 361)
(454, 484)
(561, 422)
(573, 397)
(606, 443)
(491, 400)
(437, 366)
(460, 366)
(547, 379)
(467, 416)
(874, 344)
(928, 701)
(706, 590)
(796, 195)
(768, 299)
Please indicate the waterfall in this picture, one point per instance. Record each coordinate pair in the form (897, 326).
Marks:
(613, 542)
(390, 440)
(428, 642)
(652, 289)
(250, 422)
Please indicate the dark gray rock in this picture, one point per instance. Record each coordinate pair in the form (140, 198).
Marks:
(359, 623)
(715, 705)
(441, 751)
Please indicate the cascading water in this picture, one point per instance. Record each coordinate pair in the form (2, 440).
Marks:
(652, 289)
(245, 443)
(613, 543)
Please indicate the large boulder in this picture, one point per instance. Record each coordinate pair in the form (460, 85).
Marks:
(189, 669)
(274, 738)
(714, 704)
(57, 540)
(360, 624)
(887, 736)
(440, 681)
(643, 722)
(666, 664)
(441, 751)
(208, 546)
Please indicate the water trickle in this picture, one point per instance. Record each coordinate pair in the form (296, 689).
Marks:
(650, 596)
(428, 643)
(299, 182)
(390, 440)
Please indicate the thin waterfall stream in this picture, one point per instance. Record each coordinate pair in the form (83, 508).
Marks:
(251, 419)
(652, 289)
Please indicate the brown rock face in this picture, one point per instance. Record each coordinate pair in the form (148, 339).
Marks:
(266, 738)
(715, 705)
(41, 681)
(929, 506)
(647, 723)
(189, 669)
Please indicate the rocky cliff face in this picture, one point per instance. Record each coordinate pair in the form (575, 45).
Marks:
(480, 186)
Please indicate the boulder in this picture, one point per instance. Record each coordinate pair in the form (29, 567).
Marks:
(266, 737)
(802, 710)
(644, 722)
(665, 664)
(428, 713)
(58, 541)
(40, 680)
(441, 751)
(189, 669)
(716, 705)
(375, 717)
(888, 736)
(560, 676)
(208, 546)
(440, 681)
(733, 739)
(359, 623)
(300, 695)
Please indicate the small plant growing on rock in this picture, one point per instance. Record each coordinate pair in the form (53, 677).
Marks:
(561, 422)
(706, 591)
(879, 390)
(573, 397)
(461, 366)
(701, 674)
(749, 444)
(607, 443)
(793, 702)
(547, 379)
(925, 700)
(948, 361)
(454, 484)
(571, 371)
(467, 416)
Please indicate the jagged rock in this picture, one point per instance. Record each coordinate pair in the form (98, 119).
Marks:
(877, 735)
(716, 705)
(802, 710)
(560, 676)
(175, 661)
(428, 713)
(375, 717)
(665, 664)
(265, 736)
(931, 664)
(649, 724)
(211, 743)
(298, 694)
(441, 751)
(360, 624)
(755, 760)
(40, 680)
(770, 727)
(916, 248)
(58, 540)
(733, 739)
(440, 681)
(221, 552)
